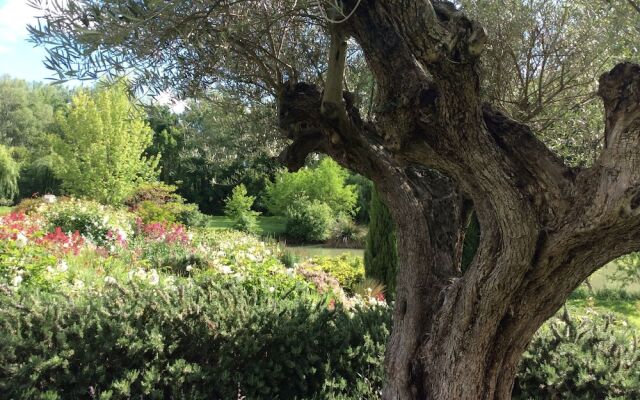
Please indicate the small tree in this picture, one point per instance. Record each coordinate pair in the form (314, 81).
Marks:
(381, 253)
(238, 208)
(9, 173)
(103, 138)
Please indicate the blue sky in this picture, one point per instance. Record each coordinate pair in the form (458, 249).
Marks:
(18, 57)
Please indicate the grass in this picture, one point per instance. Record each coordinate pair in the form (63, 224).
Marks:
(601, 279)
(5, 210)
(269, 226)
(629, 310)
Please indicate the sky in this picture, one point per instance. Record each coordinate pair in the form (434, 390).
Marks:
(18, 57)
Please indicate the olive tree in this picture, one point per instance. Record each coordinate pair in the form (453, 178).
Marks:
(438, 142)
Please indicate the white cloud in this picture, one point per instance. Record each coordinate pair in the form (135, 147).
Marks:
(14, 17)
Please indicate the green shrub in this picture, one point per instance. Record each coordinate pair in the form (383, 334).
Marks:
(347, 234)
(158, 202)
(94, 221)
(204, 341)
(170, 257)
(381, 251)
(289, 259)
(309, 221)
(589, 357)
(238, 208)
(325, 183)
(347, 269)
(24, 266)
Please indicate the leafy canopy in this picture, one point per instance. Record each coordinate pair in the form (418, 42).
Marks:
(9, 173)
(325, 183)
(100, 150)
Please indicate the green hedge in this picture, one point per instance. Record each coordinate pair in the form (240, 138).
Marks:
(205, 341)
(210, 340)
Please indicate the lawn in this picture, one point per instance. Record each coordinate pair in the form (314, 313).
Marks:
(269, 226)
(5, 210)
(601, 279)
(629, 310)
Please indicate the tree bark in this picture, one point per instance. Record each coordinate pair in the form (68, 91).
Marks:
(433, 143)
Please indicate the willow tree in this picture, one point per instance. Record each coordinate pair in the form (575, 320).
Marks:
(432, 144)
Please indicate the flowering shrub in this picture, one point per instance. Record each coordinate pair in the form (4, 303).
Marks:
(163, 232)
(28, 265)
(18, 226)
(347, 269)
(98, 224)
(63, 242)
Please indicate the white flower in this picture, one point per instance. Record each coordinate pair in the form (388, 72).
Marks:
(20, 272)
(225, 269)
(62, 266)
(154, 278)
(17, 280)
(49, 198)
(110, 280)
(141, 273)
(272, 289)
(78, 284)
(21, 240)
(189, 268)
(50, 269)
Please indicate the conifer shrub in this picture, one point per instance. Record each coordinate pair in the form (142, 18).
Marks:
(206, 340)
(586, 357)
(381, 253)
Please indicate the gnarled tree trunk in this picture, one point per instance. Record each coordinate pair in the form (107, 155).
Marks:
(545, 226)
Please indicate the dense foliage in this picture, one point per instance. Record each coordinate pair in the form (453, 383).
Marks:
(324, 183)
(309, 220)
(100, 149)
(9, 173)
(381, 254)
(119, 309)
(591, 357)
(238, 208)
(204, 340)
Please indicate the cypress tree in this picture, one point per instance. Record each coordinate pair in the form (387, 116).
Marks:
(381, 253)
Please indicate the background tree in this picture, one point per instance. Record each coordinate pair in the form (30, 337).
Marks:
(381, 253)
(9, 173)
(26, 119)
(546, 225)
(100, 150)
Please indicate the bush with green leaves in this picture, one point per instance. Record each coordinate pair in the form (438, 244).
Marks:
(309, 220)
(95, 222)
(205, 340)
(159, 202)
(238, 208)
(346, 233)
(588, 357)
(324, 183)
(346, 268)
